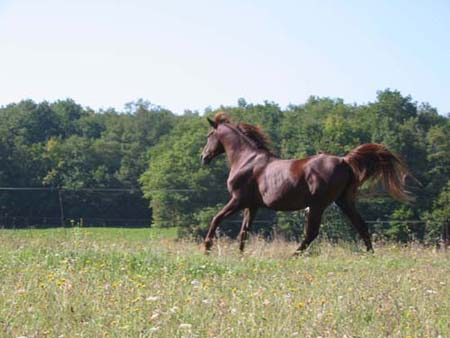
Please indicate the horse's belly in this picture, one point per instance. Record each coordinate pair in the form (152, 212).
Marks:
(280, 189)
(284, 200)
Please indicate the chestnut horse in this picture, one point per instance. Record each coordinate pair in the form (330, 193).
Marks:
(259, 179)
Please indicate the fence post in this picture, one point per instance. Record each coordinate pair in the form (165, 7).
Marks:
(61, 208)
(445, 233)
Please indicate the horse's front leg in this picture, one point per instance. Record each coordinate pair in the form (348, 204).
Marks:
(230, 208)
(249, 215)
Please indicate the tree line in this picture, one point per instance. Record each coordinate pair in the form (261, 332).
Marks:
(151, 157)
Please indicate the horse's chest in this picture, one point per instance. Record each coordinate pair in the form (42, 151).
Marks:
(239, 181)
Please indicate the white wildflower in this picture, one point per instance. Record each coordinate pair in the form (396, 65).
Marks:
(152, 298)
(185, 326)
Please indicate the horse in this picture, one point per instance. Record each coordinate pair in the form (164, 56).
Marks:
(259, 179)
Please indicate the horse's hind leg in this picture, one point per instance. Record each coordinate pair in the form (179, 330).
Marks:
(312, 228)
(347, 204)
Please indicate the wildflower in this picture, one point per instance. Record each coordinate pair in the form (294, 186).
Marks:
(196, 284)
(67, 285)
(61, 282)
(154, 316)
(152, 298)
(300, 305)
(185, 326)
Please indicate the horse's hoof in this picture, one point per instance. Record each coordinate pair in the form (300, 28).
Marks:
(208, 244)
(207, 251)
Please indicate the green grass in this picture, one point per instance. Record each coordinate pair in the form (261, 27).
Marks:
(88, 282)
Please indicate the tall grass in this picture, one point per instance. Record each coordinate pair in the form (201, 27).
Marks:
(138, 283)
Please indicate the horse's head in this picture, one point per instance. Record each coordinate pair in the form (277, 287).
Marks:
(213, 145)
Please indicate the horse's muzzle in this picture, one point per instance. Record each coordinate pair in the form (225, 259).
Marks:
(206, 159)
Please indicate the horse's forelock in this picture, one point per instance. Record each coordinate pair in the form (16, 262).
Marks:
(221, 117)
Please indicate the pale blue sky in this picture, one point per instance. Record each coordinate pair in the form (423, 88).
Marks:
(194, 54)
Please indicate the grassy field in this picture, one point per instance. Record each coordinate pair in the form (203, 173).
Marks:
(143, 283)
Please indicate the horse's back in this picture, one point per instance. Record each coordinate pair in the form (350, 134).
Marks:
(326, 165)
(296, 184)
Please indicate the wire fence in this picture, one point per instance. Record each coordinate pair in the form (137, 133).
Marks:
(332, 231)
(41, 207)
(63, 215)
(42, 222)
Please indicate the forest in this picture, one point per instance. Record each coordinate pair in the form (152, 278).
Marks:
(63, 164)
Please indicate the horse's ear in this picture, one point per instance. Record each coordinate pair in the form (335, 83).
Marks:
(212, 123)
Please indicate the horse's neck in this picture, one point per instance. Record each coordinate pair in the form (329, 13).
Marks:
(238, 148)
(248, 159)
(245, 159)
(238, 152)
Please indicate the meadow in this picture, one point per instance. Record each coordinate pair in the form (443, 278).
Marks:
(92, 282)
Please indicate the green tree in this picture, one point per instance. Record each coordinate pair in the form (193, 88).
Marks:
(176, 184)
(439, 214)
(400, 228)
